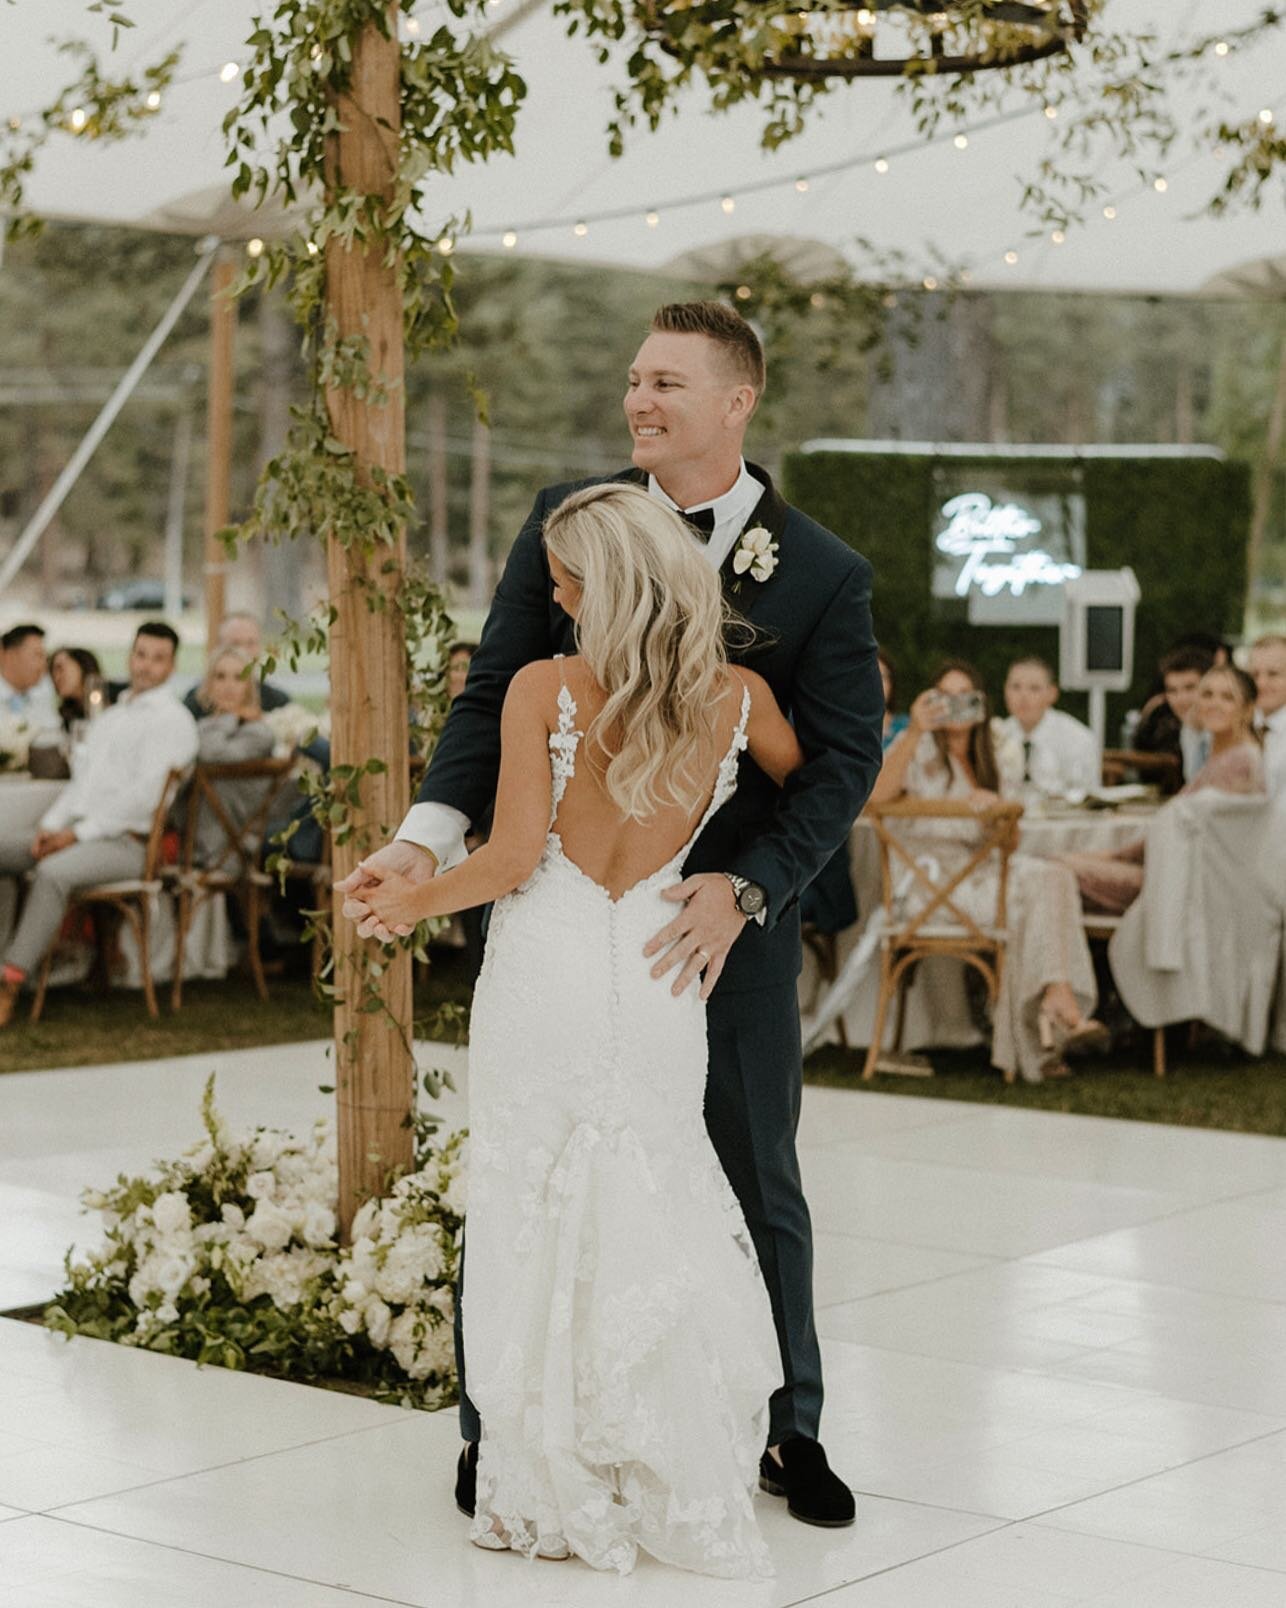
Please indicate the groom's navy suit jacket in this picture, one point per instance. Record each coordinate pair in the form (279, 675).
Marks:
(814, 647)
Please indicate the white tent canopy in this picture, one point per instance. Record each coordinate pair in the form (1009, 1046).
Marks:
(934, 198)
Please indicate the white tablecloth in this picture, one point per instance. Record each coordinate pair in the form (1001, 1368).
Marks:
(23, 800)
(937, 1011)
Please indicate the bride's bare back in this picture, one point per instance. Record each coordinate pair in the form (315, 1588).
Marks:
(619, 852)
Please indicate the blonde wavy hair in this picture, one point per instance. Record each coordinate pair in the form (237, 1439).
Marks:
(242, 660)
(651, 631)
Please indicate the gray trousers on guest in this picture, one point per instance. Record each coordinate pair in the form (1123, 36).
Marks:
(55, 880)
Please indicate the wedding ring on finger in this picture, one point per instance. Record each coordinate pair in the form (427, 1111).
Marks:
(703, 955)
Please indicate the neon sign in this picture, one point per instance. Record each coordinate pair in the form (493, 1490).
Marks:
(1008, 560)
(979, 530)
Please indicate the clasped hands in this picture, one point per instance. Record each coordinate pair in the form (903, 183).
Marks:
(46, 843)
(380, 896)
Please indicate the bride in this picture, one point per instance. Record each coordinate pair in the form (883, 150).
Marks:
(618, 1338)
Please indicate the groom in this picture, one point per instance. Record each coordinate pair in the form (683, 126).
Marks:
(692, 390)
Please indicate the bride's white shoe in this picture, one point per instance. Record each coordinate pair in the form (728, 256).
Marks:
(497, 1539)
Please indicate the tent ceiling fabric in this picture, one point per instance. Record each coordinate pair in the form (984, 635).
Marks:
(934, 203)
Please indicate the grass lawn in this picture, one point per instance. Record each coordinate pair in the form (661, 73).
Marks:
(80, 1028)
(1208, 1086)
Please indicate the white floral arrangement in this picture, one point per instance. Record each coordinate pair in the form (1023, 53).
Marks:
(292, 726)
(756, 552)
(1009, 755)
(231, 1256)
(15, 742)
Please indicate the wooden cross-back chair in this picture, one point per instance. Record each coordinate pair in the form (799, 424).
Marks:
(132, 898)
(236, 868)
(936, 922)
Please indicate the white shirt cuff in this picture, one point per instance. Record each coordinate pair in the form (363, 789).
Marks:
(438, 828)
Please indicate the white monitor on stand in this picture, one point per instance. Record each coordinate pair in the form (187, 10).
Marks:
(1096, 641)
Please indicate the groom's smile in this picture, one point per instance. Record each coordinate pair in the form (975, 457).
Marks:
(687, 413)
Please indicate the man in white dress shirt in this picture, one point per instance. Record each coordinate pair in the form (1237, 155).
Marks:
(97, 828)
(1268, 671)
(1060, 755)
(25, 689)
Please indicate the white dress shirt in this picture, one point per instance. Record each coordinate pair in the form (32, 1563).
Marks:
(38, 706)
(1272, 728)
(1060, 755)
(129, 751)
(441, 829)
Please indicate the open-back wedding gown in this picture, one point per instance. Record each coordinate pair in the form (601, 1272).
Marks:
(619, 1343)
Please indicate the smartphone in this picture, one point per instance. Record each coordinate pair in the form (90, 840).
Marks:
(963, 708)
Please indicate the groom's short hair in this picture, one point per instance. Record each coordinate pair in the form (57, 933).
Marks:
(725, 327)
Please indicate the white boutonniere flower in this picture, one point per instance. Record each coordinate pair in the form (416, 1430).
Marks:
(756, 552)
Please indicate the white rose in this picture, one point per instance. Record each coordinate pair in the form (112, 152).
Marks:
(171, 1213)
(167, 1312)
(269, 1226)
(232, 1215)
(350, 1320)
(377, 1319)
(261, 1185)
(319, 1224)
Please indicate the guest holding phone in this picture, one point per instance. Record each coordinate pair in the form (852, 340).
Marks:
(949, 751)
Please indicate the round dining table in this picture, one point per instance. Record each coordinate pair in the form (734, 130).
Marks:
(938, 1013)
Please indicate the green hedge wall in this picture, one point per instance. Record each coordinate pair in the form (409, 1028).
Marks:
(1180, 522)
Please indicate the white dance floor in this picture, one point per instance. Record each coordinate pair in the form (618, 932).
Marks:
(1056, 1368)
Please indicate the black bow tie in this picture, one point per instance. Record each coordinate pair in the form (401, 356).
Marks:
(702, 521)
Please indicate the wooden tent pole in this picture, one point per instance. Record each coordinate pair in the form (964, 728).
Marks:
(375, 1073)
(218, 436)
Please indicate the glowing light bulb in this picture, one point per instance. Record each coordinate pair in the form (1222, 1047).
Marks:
(313, 248)
(817, 299)
(1058, 237)
(154, 100)
(78, 119)
(412, 26)
(509, 239)
(802, 186)
(728, 204)
(930, 283)
(229, 71)
(1109, 213)
(1160, 186)
(445, 246)
(1222, 47)
(652, 219)
(1011, 257)
(1266, 117)
(1051, 112)
(865, 17)
(961, 142)
(581, 230)
(743, 293)
(254, 248)
(882, 164)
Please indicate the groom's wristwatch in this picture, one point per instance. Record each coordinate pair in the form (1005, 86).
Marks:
(752, 901)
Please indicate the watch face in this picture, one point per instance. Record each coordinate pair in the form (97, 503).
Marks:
(750, 901)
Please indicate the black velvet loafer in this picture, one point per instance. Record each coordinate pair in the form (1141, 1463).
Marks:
(813, 1493)
(466, 1480)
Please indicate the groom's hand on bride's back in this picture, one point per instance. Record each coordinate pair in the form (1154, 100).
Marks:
(398, 858)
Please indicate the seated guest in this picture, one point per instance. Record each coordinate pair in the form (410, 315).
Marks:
(241, 631)
(1047, 985)
(97, 828)
(1268, 672)
(1060, 755)
(25, 690)
(234, 730)
(68, 669)
(893, 722)
(1167, 723)
(459, 658)
(1225, 709)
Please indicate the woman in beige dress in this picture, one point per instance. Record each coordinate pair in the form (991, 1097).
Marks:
(1047, 991)
(1226, 713)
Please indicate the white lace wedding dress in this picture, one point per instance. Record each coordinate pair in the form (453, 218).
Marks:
(618, 1340)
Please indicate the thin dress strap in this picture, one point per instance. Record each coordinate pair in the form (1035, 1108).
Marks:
(562, 743)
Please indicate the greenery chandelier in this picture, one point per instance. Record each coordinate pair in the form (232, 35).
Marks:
(820, 39)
